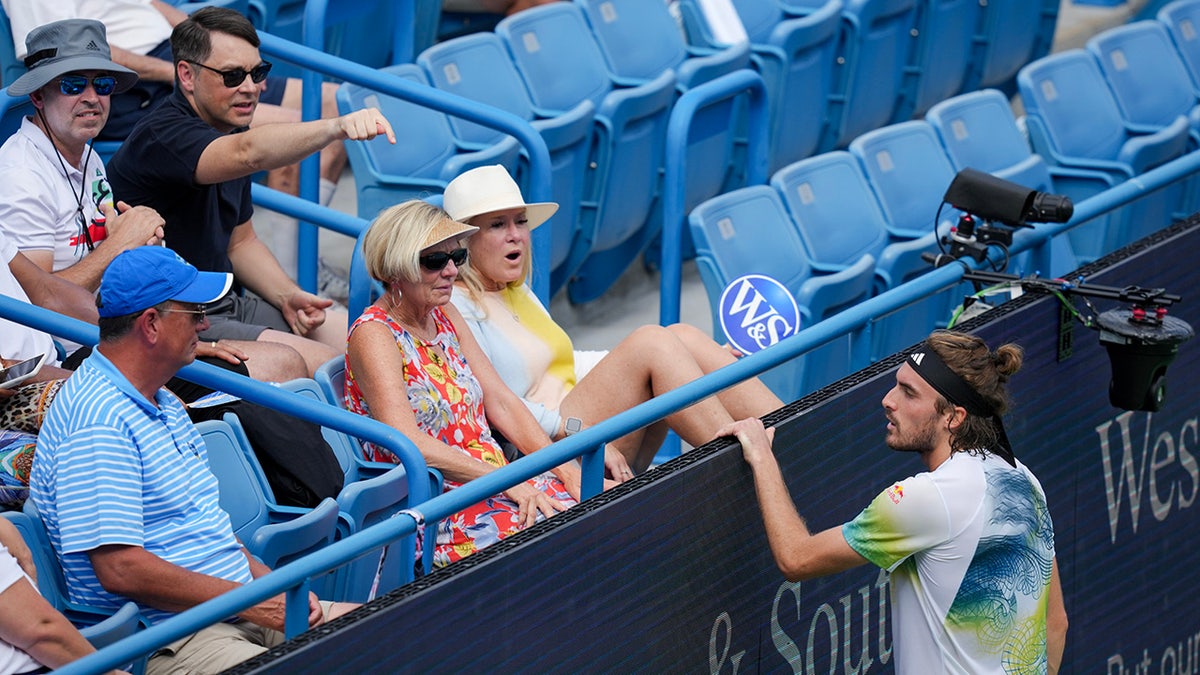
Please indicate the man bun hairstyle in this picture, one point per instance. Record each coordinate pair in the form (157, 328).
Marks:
(985, 371)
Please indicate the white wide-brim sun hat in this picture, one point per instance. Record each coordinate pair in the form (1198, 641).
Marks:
(488, 189)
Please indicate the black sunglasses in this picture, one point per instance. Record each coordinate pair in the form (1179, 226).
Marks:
(436, 262)
(236, 76)
(73, 85)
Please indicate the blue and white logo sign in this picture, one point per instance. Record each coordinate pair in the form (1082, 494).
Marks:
(757, 312)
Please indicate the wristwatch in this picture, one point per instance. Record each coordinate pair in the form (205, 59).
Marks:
(572, 425)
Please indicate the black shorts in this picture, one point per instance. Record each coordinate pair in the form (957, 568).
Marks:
(237, 317)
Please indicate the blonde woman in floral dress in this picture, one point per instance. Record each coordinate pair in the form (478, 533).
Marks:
(407, 367)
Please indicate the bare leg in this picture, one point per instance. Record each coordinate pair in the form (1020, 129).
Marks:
(751, 398)
(271, 362)
(649, 362)
(312, 352)
(333, 331)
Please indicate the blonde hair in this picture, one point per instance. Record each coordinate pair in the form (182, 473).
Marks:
(395, 239)
(472, 278)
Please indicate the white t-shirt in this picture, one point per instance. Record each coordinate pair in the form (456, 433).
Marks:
(970, 547)
(40, 210)
(18, 341)
(133, 25)
(13, 660)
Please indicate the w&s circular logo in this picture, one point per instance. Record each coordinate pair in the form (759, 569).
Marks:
(756, 312)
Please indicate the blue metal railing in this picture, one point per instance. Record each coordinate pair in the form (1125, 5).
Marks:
(587, 443)
(320, 64)
(590, 440)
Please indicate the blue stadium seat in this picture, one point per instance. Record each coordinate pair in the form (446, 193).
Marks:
(1074, 120)
(374, 491)
(640, 41)
(478, 67)
(426, 159)
(795, 57)
(909, 170)
(352, 30)
(10, 67)
(749, 231)
(1182, 20)
(1010, 34)
(100, 627)
(840, 220)
(978, 130)
(274, 534)
(941, 53)
(875, 43)
(561, 66)
(1147, 76)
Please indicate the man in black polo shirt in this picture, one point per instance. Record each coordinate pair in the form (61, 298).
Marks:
(191, 159)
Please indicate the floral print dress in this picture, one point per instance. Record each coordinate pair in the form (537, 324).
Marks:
(448, 403)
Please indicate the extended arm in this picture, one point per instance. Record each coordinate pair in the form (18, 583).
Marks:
(798, 553)
(272, 146)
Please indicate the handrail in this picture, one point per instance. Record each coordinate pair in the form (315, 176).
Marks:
(392, 85)
(251, 390)
(675, 175)
(592, 439)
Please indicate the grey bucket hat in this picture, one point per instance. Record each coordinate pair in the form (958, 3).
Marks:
(68, 46)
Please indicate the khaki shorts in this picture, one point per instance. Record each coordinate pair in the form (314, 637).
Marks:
(216, 648)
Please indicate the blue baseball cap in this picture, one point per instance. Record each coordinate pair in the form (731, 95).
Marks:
(143, 277)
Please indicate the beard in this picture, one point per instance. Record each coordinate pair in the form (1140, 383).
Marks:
(919, 439)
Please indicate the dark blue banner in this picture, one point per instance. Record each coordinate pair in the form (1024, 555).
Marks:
(672, 573)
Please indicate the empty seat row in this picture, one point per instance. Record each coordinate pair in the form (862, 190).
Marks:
(597, 80)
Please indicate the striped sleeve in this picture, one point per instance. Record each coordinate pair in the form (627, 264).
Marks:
(100, 490)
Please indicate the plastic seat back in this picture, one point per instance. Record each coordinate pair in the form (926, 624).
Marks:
(1012, 33)
(795, 56)
(561, 65)
(835, 212)
(478, 67)
(1182, 21)
(748, 231)
(876, 39)
(621, 28)
(909, 170)
(386, 174)
(1075, 113)
(547, 41)
(100, 627)
(10, 66)
(1146, 74)
(275, 534)
(941, 53)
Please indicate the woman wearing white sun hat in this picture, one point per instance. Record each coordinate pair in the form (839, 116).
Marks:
(534, 355)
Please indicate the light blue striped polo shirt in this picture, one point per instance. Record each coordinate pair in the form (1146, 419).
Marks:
(113, 468)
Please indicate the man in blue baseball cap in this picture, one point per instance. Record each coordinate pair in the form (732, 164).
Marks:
(122, 479)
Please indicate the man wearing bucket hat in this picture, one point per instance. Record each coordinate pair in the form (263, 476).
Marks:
(191, 158)
(122, 479)
(56, 204)
(55, 201)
